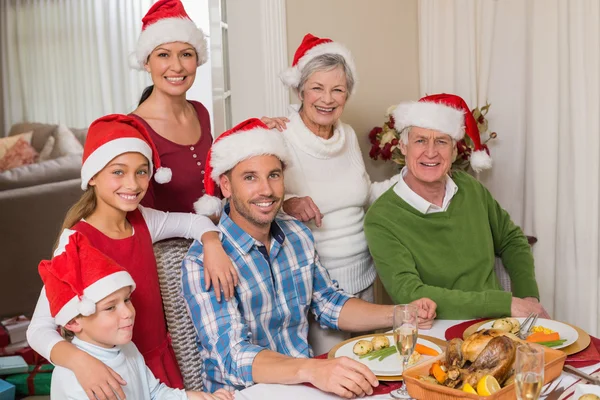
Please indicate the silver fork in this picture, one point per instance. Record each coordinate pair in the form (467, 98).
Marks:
(525, 328)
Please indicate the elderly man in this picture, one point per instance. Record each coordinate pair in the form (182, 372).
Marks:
(436, 234)
(260, 335)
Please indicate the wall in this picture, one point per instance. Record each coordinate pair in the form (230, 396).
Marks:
(383, 38)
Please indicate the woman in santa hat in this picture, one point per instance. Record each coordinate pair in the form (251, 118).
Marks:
(118, 162)
(327, 185)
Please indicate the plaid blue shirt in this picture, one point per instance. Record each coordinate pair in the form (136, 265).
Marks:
(271, 302)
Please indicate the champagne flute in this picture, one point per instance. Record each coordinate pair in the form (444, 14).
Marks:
(405, 325)
(529, 369)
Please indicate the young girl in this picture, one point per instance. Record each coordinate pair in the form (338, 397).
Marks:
(118, 161)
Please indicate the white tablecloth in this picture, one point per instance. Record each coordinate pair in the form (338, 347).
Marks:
(301, 392)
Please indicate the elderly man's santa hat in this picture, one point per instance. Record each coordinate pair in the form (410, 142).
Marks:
(78, 277)
(249, 139)
(115, 134)
(446, 113)
(167, 22)
(310, 48)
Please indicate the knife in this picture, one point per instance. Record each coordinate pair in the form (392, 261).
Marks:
(572, 370)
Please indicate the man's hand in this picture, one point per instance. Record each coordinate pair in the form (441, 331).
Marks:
(524, 307)
(303, 209)
(342, 376)
(426, 312)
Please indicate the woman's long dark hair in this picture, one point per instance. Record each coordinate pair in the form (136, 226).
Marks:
(145, 94)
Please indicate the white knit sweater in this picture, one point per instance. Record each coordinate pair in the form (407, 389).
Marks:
(332, 172)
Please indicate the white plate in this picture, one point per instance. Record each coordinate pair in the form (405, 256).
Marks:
(564, 330)
(581, 389)
(389, 366)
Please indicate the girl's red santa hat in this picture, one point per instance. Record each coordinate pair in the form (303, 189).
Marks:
(249, 139)
(78, 277)
(113, 135)
(310, 48)
(167, 22)
(446, 113)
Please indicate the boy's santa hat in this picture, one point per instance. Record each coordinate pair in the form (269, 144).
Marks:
(310, 48)
(78, 277)
(249, 139)
(113, 135)
(167, 22)
(446, 113)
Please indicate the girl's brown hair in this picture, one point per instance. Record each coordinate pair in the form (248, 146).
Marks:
(84, 207)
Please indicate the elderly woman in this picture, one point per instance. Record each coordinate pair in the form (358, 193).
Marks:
(326, 184)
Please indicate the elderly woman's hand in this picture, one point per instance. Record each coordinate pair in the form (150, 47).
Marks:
(304, 209)
(278, 122)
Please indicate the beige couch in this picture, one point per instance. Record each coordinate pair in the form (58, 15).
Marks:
(33, 203)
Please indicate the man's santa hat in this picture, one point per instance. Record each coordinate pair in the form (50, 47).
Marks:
(167, 22)
(446, 113)
(78, 277)
(310, 48)
(113, 135)
(250, 138)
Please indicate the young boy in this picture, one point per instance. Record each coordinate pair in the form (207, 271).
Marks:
(89, 296)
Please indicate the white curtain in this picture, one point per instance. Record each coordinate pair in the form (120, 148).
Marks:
(67, 60)
(538, 63)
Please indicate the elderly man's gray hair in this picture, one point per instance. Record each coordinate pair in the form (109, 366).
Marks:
(404, 135)
(326, 62)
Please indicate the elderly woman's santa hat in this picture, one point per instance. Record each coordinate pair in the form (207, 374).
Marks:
(167, 22)
(446, 113)
(249, 139)
(310, 48)
(78, 277)
(113, 135)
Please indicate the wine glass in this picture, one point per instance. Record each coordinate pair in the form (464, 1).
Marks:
(529, 370)
(405, 325)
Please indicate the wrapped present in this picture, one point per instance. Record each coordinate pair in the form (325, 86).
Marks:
(35, 382)
(12, 365)
(7, 391)
(30, 356)
(16, 328)
(13, 348)
(4, 336)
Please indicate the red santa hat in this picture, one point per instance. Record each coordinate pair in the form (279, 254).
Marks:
(78, 277)
(248, 139)
(310, 48)
(446, 113)
(113, 135)
(167, 22)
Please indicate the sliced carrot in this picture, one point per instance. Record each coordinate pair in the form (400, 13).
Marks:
(426, 351)
(438, 373)
(543, 337)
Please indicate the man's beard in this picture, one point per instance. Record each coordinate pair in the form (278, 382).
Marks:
(243, 209)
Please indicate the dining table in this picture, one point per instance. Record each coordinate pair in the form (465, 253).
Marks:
(264, 391)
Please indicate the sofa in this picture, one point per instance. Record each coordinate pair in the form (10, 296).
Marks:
(33, 202)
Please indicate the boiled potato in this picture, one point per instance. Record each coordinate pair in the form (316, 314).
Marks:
(362, 347)
(380, 342)
(515, 323)
(503, 325)
(589, 396)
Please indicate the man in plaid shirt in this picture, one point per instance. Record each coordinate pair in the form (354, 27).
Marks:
(261, 334)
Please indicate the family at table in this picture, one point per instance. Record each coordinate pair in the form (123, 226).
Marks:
(285, 257)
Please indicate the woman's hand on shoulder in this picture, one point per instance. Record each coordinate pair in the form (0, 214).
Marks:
(278, 123)
(218, 269)
(303, 209)
(220, 394)
(98, 380)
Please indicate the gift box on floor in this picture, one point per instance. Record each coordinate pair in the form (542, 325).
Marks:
(16, 328)
(35, 382)
(12, 365)
(7, 391)
(13, 348)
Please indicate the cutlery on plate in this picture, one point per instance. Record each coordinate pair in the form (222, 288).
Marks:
(579, 373)
(527, 326)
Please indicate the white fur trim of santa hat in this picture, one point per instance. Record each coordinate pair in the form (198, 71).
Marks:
(91, 295)
(480, 160)
(430, 115)
(229, 151)
(105, 153)
(208, 205)
(291, 76)
(169, 30)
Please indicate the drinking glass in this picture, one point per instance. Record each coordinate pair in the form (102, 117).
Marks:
(529, 370)
(405, 325)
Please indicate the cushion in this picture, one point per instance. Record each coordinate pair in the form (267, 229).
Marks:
(65, 143)
(8, 142)
(56, 170)
(22, 153)
(47, 149)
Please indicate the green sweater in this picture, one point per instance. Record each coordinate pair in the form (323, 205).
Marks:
(449, 256)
